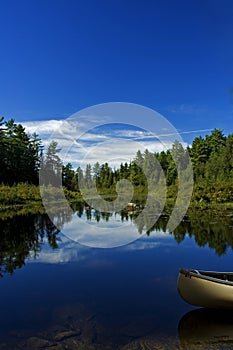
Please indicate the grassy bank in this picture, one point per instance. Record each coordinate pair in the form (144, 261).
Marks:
(26, 195)
(206, 196)
(19, 194)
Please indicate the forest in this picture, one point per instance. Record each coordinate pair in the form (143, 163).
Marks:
(211, 157)
(23, 155)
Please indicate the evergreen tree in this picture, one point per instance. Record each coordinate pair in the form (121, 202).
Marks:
(19, 153)
(88, 176)
(79, 178)
(51, 166)
(68, 177)
(215, 141)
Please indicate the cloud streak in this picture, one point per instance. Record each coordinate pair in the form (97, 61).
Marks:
(113, 146)
(108, 143)
(186, 109)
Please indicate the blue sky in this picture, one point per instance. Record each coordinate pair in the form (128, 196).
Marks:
(176, 57)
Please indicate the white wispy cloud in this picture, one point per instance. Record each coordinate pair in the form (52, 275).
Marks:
(42, 127)
(186, 109)
(131, 133)
(81, 145)
(79, 148)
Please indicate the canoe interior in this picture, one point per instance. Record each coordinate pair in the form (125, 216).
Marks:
(224, 276)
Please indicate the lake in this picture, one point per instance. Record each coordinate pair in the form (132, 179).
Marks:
(59, 294)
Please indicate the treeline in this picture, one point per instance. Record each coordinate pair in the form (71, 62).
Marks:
(145, 168)
(22, 156)
(211, 159)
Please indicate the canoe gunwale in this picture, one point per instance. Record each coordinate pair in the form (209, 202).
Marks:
(204, 275)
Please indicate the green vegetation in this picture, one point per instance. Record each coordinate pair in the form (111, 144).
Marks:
(212, 161)
(21, 193)
(22, 156)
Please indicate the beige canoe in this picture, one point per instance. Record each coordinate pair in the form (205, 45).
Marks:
(206, 288)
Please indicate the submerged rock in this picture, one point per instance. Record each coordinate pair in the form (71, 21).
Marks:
(67, 334)
(37, 343)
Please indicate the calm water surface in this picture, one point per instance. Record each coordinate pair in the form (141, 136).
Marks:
(59, 294)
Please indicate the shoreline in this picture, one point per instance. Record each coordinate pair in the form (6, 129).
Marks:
(26, 198)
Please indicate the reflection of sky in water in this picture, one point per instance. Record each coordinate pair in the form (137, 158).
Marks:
(70, 251)
(129, 289)
(102, 234)
(162, 244)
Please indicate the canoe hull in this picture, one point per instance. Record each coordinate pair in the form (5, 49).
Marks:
(199, 291)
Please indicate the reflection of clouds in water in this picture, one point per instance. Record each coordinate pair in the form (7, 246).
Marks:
(70, 251)
(109, 232)
(104, 234)
(150, 243)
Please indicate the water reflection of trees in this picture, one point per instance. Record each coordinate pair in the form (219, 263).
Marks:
(207, 228)
(23, 236)
(216, 232)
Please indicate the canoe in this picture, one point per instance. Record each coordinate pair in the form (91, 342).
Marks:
(206, 288)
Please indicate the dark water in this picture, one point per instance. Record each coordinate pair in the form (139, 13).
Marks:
(58, 294)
